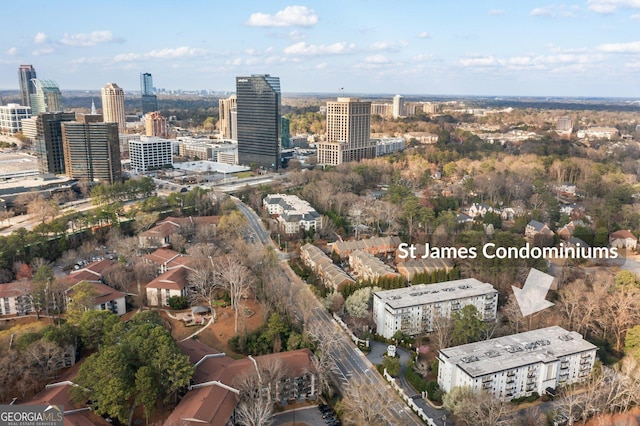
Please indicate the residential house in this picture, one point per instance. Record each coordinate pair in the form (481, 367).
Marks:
(566, 232)
(534, 228)
(478, 209)
(158, 236)
(172, 282)
(623, 239)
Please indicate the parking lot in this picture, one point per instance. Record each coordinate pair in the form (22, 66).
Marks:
(310, 416)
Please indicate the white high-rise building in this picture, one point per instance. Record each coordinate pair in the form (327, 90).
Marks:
(398, 106)
(518, 365)
(113, 106)
(150, 153)
(412, 310)
(225, 107)
(348, 132)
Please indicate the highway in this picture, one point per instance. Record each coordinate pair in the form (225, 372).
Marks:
(350, 362)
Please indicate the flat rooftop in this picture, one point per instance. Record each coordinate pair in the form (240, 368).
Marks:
(205, 166)
(504, 353)
(423, 294)
(17, 163)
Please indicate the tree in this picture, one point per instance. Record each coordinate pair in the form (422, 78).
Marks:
(468, 325)
(359, 303)
(94, 325)
(43, 209)
(365, 403)
(236, 279)
(83, 298)
(147, 390)
(477, 409)
(632, 342)
(442, 327)
(392, 365)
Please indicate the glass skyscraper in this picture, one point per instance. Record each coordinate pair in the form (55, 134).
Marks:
(149, 100)
(27, 88)
(259, 120)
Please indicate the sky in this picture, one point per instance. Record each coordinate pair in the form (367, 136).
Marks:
(455, 47)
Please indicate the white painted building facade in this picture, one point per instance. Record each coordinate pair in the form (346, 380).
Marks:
(412, 310)
(518, 365)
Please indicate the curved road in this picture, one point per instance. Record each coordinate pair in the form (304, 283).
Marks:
(349, 360)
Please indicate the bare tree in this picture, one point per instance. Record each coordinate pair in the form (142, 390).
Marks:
(236, 279)
(202, 278)
(43, 209)
(364, 403)
(442, 330)
(477, 409)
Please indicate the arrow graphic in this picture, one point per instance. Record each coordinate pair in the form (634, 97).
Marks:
(531, 297)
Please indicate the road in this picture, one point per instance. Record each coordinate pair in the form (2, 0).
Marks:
(349, 360)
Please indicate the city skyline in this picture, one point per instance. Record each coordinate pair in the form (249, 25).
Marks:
(530, 48)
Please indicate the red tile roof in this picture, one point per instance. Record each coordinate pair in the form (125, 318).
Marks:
(14, 288)
(173, 279)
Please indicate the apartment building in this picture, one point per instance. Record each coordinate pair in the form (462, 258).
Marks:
(375, 246)
(412, 310)
(518, 365)
(331, 274)
(293, 214)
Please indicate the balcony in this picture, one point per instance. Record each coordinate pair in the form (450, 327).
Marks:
(585, 367)
(531, 381)
(586, 355)
(511, 373)
(486, 386)
(510, 381)
(585, 361)
(487, 379)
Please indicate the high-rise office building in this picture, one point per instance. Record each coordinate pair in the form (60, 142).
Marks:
(398, 106)
(259, 120)
(225, 106)
(564, 124)
(46, 98)
(48, 141)
(91, 149)
(348, 132)
(26, 74)
(155, 124)
(149, 100)
(150, 153)
(113, 106)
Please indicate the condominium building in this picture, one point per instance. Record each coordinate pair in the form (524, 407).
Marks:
(348, 132)
(383, 110)
(412, 310)
(91, 149)
(11, 116)
(293, 214)
(332, 275)
(385, 146)
(227, 124)
(48, 140)
(376, 245)
(113, 106)
(155, 124)
(26, 73)
(518, 365)
(259, 120)
(46, 98)
(150, 153)
(398, 106)
(207, 149)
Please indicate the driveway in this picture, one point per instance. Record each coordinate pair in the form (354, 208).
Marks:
(309, 415)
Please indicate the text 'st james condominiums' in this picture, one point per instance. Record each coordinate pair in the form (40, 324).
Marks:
(259, 123)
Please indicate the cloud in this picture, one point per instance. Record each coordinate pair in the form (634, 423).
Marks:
(182, 52)
(424, 34)
(90, 39)
(423, 57)
(635, 17)
(377, 59)
(303, 48)
(40, 38)
(560, 11)
(321, 66)
(12, 51)
(496, 12)
(607, 7)
(479, 61)
(290, 16)
(631, 47)
(296, 35)
(388, 46)
(43, 51)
